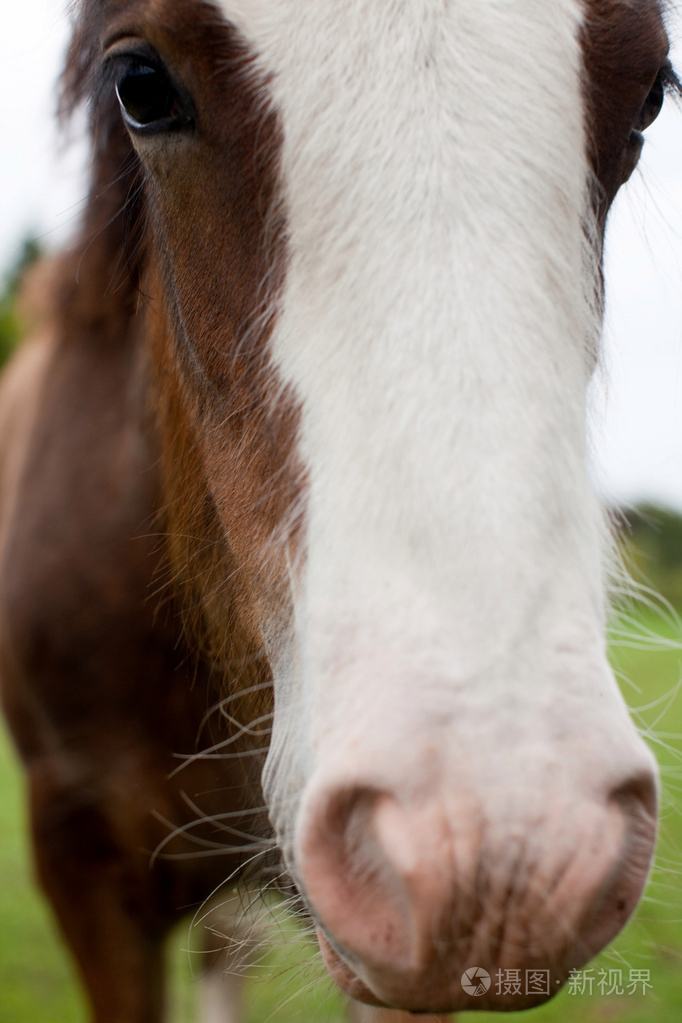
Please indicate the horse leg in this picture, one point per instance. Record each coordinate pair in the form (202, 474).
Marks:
(366, 1014)
(232, 942)
(221, 995)
(100, 899)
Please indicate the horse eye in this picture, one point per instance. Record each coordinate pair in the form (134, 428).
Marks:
(151, 103)
(653, 105)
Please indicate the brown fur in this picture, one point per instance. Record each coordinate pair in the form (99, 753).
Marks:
(625, 45)
(148, 460)
(126, 615)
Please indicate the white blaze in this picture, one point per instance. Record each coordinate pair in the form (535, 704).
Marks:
(433, 326)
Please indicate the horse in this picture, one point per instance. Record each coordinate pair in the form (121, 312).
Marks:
(303, 580)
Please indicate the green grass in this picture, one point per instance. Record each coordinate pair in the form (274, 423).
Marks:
(37, 982)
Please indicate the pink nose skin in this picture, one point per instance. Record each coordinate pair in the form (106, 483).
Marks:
(409, 897)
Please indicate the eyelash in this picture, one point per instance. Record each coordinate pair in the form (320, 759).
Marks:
(671, 81)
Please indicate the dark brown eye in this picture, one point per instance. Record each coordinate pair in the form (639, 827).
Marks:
(653, 105)
(150, 101)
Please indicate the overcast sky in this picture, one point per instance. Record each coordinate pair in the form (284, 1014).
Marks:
(637, 407)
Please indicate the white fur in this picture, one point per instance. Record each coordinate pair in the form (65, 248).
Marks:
(434, 327)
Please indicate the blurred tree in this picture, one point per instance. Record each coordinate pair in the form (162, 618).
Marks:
(652, 545)
(29, 253)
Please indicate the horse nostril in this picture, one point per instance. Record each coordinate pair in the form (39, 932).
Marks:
(366, 867)
(631, 831)
(638, 796)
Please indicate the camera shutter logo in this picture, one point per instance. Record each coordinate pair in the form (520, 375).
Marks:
(476, 981)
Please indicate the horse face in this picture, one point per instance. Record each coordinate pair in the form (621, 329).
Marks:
(378, 228)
